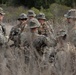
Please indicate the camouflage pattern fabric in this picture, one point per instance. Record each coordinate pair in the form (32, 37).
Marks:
(31, 13)
(71, 13)
(15, 33)
(72, 36)
(43, 29)
(16, 30)
(39, 42)
(41, 16)
(3, 37)
(33, 23)
(47, 31)
(22, 16)
(3, 28)
(70, 28)
(1, 11)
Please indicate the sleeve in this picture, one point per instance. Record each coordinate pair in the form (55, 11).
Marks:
(50, 42)
(73, 38)
(11, 32)
(23, 38)
(4, 29)
(50, 32)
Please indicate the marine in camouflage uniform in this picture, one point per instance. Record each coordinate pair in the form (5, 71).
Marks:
(30, 14)
(33, 42)
(67, 52)
(17, 30)
(44, 28)
(3, 36)
(38, 41)
(71, 26)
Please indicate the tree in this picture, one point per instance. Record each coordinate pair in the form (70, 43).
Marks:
(38, 3)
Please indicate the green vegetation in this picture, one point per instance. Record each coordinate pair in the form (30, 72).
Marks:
(51, 8)
(54, 11)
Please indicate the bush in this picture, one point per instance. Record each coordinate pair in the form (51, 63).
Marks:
(12, 13)
(58, 10)
(35, 10)
(54, 11)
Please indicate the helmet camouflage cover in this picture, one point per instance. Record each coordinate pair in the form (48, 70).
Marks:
(34, 23)
(61, 33)
(41, 16)
(31, 13)
(71, 13)
(1, 11)
(22, 16)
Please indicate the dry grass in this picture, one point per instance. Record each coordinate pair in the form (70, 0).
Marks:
(13, 62)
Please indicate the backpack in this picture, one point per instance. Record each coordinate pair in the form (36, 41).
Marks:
(15, 32)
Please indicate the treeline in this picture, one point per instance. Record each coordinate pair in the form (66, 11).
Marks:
(37, 3)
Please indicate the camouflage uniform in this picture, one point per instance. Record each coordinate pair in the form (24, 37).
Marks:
(39, 42)
(71, 26)
(45, 28)
(3, 36)
(17, 30)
